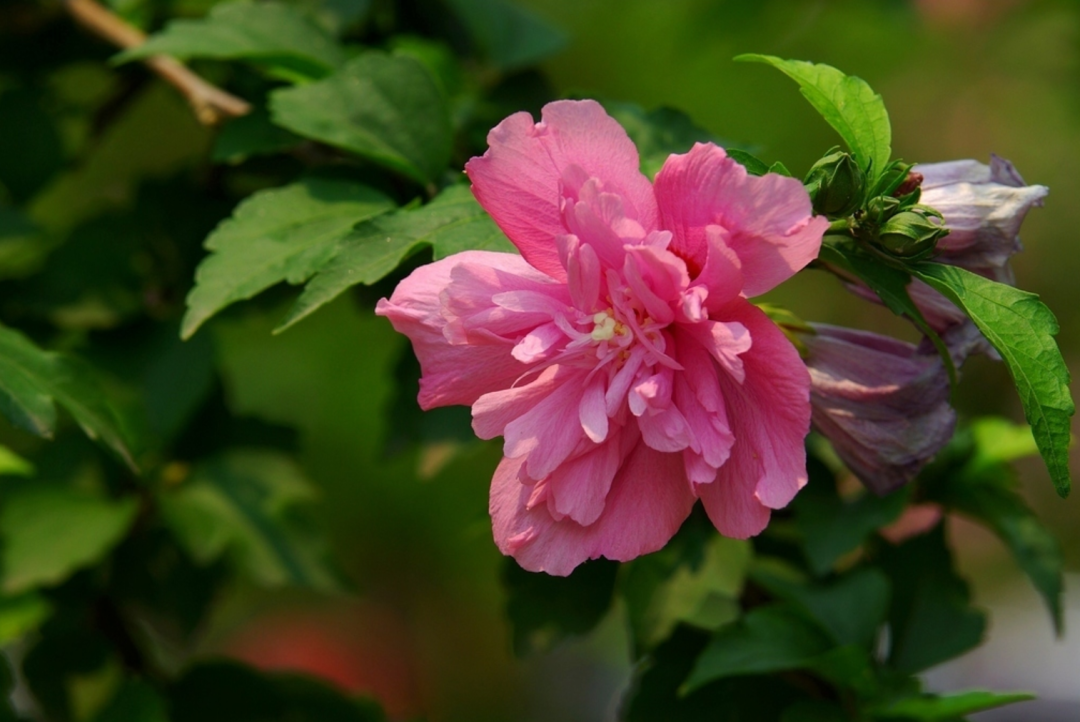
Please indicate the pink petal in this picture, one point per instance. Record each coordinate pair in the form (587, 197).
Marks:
(648, 502)
(493, 411)
(769, 219)
(457, 374)
(549, 432)
(770, 417)
(593, 410)
(520, 179)
(579, 487)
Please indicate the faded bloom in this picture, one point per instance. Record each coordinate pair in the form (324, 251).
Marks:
(882, 403)
(618, 356)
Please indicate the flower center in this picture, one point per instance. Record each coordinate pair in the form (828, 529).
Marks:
(605, 327)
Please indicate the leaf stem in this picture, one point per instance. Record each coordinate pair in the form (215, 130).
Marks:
(211, 104)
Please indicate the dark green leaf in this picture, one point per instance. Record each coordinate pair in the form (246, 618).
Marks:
(851, 608)
(768, 639)
(931, 619)
(251, 135)
(51, 531)
(135, 702)
(691, 580)
(230, 692)
(662, 131)
(753, 165)
(21, 614)
(451, 223)
(890, 284)
(815, 711)
(279, 36)
(282, 234)
(384, 108)
(974, 478)
(32, 380)
(509, 35)
(830, 526)
(846, 103)
(948, 707)
(244, 504)
(544, 609)
(1022, 329)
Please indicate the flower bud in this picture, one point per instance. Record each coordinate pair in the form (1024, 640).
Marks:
(911, 233)
(836, 184)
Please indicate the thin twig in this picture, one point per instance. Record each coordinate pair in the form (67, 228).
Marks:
(211, 104)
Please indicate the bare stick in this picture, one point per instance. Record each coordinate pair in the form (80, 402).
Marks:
(211, 104)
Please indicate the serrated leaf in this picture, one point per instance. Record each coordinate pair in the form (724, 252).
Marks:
(49, 532)
(244, 504)
(773, 638)
(931, 619)
(280, 36)
(451, 223)
(1022, 329)
(945, 708)
(973, 477)
(283, 234)
(830, 526)
(890, 284)
(846, 103)
(32, 381)
(509, 35)
(544, 609)
(381, 107)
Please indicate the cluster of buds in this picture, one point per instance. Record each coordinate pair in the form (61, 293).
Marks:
(888, 216)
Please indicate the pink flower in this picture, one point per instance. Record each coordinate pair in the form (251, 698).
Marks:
(618, 356)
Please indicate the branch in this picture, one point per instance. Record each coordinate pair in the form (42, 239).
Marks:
(211, 104)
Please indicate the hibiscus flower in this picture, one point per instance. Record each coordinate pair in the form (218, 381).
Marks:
(618, 356)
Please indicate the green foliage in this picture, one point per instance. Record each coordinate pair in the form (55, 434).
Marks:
(1022, 329)
(544, 609)
(278, 36)
(280, 234)
(509, 35)
(230, 692)
(846, 103)
(32, 381)
(948, 707)
(384, 108)
(451, 223)
(973, 477)
(50, 531)
(244, 504)
(930, 617)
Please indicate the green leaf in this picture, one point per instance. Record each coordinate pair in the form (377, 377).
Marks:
(753, 165)
(846, 103)
(931, 619)
(231, 692)
(544, 609)
(32, 381)
(274, 34)
(851, 608)
(251, 135)
(890, 284)
(244, 504)
(135, 702)
(948, 707)
(1022, 329)
(49, 532)
(11, 464)
(830, 526)
(662, 131)
(451, 223)
(21, 614)
(691, 580)
(773, 638)
(509, 35)
(973, 477)
(282, 234)
(384, 108)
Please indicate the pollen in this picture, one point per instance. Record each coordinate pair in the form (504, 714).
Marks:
(605, 328)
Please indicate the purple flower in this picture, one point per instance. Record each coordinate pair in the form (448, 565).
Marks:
(883, 403)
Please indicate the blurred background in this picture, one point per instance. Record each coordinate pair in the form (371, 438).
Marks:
(425, 630)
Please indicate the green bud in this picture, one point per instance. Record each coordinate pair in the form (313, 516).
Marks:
(836, 184)
(910, 234)
(880, 209)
